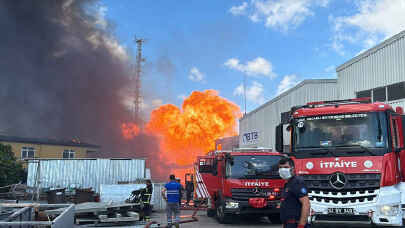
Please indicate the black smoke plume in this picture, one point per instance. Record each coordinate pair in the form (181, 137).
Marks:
(62, 74)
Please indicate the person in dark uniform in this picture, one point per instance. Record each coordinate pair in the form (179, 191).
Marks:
(181, 190)
(189, 191)
(295, 205)
(146, 198)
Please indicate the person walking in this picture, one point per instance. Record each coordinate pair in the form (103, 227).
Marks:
(295, 204)
(171, 193)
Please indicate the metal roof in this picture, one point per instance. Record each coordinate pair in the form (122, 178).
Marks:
(371, 51)
(299, 85)
(5, 138)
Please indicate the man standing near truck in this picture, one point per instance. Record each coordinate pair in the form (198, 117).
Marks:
(171, 193)
(181, 191)
(189, 191)
(295, 205)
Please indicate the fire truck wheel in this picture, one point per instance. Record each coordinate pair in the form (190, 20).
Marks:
(221, 216)
(211, 212)
(274, 218)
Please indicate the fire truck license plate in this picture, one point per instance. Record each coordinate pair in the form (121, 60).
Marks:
(341, 211)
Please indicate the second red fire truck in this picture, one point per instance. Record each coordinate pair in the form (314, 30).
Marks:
(239, 182)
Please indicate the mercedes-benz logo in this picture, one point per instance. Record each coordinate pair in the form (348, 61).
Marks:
(337, 180)
(256, 190)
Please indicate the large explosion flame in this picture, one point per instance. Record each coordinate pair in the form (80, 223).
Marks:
(191, 131)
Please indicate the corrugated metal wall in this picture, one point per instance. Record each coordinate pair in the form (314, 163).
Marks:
(265, 119)
(377, 67)
(85, 173)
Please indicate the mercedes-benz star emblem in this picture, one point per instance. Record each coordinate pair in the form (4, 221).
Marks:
(256, 190)
(337, 180)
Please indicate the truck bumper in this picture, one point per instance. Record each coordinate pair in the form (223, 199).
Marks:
(364, 213)
(246, 209)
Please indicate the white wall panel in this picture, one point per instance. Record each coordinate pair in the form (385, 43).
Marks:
(377, 67)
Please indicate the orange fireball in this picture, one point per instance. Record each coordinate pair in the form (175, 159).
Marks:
(188, 132)
(129, 130)
(192, 131)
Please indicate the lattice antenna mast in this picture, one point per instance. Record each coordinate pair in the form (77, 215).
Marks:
(138, 71)
(244, 92)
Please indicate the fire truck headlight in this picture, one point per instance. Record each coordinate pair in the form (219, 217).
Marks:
(231, 204)
(390, 210)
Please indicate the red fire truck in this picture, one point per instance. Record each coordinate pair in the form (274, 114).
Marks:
(239, 182)
(351, 155)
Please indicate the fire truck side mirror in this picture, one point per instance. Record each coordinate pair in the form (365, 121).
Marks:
(279, 138)
(215, 167)
(229, 158)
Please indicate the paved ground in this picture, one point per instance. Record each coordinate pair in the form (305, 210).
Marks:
(208, 222)
(205, 222)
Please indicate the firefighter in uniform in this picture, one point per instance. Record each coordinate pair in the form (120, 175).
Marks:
(189, 191)
(143, 197)
(146, 198)
(181, 191)
(295, 205)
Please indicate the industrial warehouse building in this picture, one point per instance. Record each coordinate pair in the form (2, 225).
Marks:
(378, 73)
(256, 129)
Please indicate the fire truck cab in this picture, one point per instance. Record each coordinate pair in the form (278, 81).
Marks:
(240, 182)
(351, 155)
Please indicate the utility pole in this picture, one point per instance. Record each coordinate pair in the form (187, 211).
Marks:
(137, 81)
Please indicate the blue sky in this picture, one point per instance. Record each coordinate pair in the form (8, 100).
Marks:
(213, 44)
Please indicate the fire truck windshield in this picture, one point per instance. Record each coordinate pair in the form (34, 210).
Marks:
(332, 135)
(253, 167)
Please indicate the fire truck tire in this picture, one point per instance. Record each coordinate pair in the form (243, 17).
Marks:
(221, 216)
(211, 212)
(274, 218)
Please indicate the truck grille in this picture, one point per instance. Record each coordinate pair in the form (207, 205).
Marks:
(346, 218)
(243, 194)
(359, 188)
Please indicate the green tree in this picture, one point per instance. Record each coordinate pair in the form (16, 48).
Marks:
(11, 170)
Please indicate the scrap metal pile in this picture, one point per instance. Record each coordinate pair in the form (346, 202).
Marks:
(32, 215)
(103, 213)
(15, 191)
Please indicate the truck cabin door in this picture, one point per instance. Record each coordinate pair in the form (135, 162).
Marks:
(397, 133)
(206, 165)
